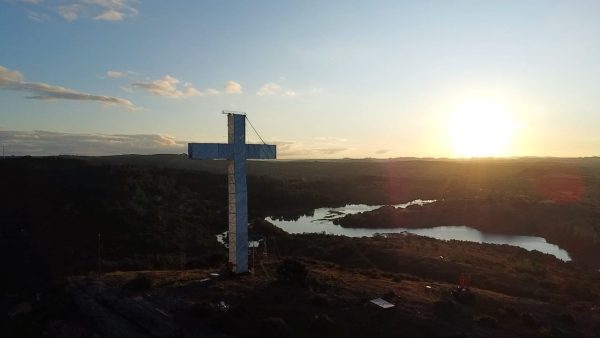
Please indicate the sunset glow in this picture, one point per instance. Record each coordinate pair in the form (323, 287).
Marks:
(322, 80)
(481, 128)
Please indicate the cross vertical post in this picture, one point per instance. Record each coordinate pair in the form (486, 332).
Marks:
(236, 151)
(238, 194)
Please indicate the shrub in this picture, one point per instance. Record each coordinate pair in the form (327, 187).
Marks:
(529, 319)
(488, 321)
(273, 327)
(292, 272)
(140, 283)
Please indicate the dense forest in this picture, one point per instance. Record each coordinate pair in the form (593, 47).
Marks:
(70, 215)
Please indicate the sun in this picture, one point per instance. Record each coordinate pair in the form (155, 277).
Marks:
(481, 128)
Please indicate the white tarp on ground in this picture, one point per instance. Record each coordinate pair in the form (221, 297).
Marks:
(382, 303)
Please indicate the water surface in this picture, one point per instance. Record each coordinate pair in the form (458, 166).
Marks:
(321, 222)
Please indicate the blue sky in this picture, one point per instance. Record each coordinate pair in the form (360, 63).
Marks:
(322, 79)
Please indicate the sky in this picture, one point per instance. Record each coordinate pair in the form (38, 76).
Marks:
(321, 79)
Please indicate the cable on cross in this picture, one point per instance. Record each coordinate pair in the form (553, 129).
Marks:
(256, 132)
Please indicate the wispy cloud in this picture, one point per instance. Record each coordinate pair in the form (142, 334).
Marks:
(8, 76)
(121, 74)
(269, 89)
(320, 146)
(168, 87)
(40, 142)
(232, 87)
(382, 151)
(301, 150)
(272, 89)
(210, 92)
(70, 12)
(113, 74)
(329, 139)
(36, 16)
(110, 15)
(14, 80)
(317, 147)
(107, 10)
(329, 151)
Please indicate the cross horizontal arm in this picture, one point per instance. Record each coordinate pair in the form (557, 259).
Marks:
(215, 151)
(210, 151)
(261, 151)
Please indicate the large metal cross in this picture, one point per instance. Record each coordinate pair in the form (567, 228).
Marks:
(236, 151)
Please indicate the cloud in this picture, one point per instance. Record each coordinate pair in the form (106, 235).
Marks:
(269, 89)
(107, 10)
(329, 139)
(110, 15)
(232, 87)
(69, 12)
(211, 92)
(329, 151)
(39, 17)
(10, 76)
(297, 149)
(272, 88)
(382, 151)
(44, 143)
(115, 74)
(119, 74)
(14, 80)
(167, 87)
(316, 147)
(41, 143)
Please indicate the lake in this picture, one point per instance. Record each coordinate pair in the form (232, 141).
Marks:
(321, 221)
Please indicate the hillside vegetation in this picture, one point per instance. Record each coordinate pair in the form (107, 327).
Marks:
(64, 216)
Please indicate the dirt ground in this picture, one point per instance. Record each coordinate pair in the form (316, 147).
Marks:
(324, 300)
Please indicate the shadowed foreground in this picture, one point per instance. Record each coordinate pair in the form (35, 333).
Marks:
(64, 220)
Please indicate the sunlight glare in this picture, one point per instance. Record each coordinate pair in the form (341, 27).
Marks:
(480, 129)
